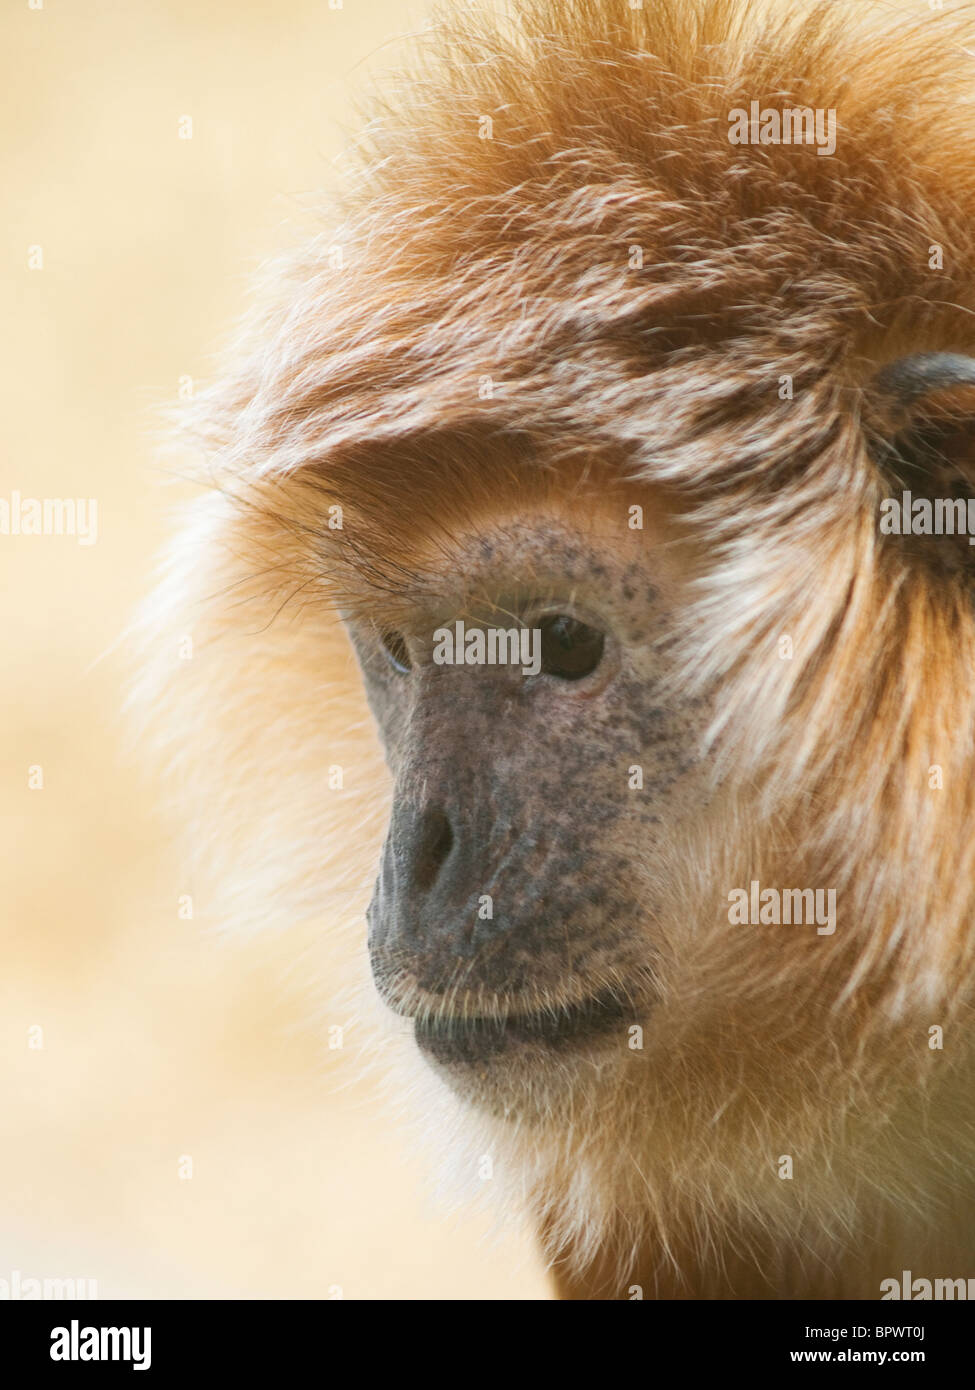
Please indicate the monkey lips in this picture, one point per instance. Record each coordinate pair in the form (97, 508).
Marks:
(476, 1040)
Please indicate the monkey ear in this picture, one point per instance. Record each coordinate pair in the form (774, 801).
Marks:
(922, 419)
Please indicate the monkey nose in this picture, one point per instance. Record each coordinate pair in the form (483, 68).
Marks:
(429, 844)
(414, 877)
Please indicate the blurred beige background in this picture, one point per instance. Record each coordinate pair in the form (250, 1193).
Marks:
(159, 1040)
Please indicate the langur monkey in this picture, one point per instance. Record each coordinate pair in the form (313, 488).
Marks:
(673, 918)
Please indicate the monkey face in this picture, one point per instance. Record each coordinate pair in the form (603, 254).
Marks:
(538, 802)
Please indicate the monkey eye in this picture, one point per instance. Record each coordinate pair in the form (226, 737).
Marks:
(396, 654)
(570, 649)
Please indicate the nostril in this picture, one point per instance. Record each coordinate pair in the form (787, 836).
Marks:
(436, 840)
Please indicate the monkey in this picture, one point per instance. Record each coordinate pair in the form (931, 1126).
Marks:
(571, 362)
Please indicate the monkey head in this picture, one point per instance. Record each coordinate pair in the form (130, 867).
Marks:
(523, 917)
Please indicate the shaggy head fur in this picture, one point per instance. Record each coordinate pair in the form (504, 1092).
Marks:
(558, 282)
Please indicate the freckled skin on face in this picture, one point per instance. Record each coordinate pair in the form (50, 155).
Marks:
(513, 911)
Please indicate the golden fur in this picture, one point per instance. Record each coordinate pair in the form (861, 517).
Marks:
(465, 258)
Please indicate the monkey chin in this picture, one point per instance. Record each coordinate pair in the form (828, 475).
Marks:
(523, 1068)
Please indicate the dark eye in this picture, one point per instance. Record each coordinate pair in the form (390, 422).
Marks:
(396, 653)
(570, 649)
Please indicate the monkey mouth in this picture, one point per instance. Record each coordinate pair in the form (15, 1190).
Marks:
(468, 1041)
